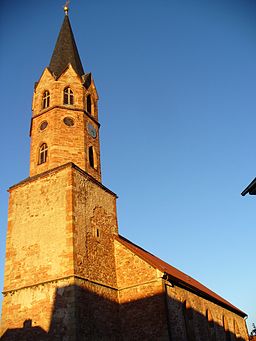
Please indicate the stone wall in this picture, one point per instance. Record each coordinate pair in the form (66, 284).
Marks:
(97, 312)
(141, 297)
(47, 307)
(39, 245)
(67, 275)
(195, 318)
(61, 224)
(95, 225)
(153, 308)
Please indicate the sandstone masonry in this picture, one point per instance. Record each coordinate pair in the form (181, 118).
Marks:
(69, 275)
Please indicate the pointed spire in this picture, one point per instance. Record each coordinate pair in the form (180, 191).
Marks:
(65, 50)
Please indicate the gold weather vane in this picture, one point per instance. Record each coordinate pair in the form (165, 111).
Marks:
(66, 7)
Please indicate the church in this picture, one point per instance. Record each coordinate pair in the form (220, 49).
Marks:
(69, 275)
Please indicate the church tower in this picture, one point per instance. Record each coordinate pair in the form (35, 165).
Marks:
(69, 275)
(65, 125)
(61, 219)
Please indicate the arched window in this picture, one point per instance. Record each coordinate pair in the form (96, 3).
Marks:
(43, 151)
(92, 158)
(46, 99)
(68, 96)
(89, 104)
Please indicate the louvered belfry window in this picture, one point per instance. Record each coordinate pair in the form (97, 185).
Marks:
(89, 104)
(46, 99)
(68, 96)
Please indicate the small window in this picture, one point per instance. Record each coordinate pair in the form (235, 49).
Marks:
(68, 96)
(97, 232)
(43, 125)
(92, 158)
(68, 121)
(46, 99)
(43, 151)
(89, 104)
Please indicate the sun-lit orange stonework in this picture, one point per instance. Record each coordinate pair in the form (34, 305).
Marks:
(66, 143)
(69, 275)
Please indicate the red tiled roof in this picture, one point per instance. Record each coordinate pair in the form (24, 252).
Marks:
(177, 275)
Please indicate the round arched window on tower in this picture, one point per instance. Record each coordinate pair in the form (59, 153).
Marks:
(68, 121)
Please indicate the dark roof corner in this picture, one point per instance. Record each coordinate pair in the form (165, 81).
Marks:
(87, 79)
(251, 188)
(35, 85)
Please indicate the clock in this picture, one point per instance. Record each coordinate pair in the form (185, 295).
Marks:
(91, 130)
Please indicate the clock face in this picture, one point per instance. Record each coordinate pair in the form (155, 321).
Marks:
(91, 130)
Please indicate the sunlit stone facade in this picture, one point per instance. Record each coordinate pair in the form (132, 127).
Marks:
(69, 275)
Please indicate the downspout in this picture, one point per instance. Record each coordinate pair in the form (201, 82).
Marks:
(246, 327)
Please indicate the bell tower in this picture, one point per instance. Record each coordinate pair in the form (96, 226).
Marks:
(64, 126)
(60, 260)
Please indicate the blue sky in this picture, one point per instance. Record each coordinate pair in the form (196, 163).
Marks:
(176, 81)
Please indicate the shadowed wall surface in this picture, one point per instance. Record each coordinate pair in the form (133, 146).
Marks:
(99, 318)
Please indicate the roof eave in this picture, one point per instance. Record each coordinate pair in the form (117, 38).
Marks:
(214, 297)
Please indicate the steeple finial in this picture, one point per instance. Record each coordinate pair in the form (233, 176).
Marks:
(66, 7)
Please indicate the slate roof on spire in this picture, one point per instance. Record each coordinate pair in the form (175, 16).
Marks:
(65, 51)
